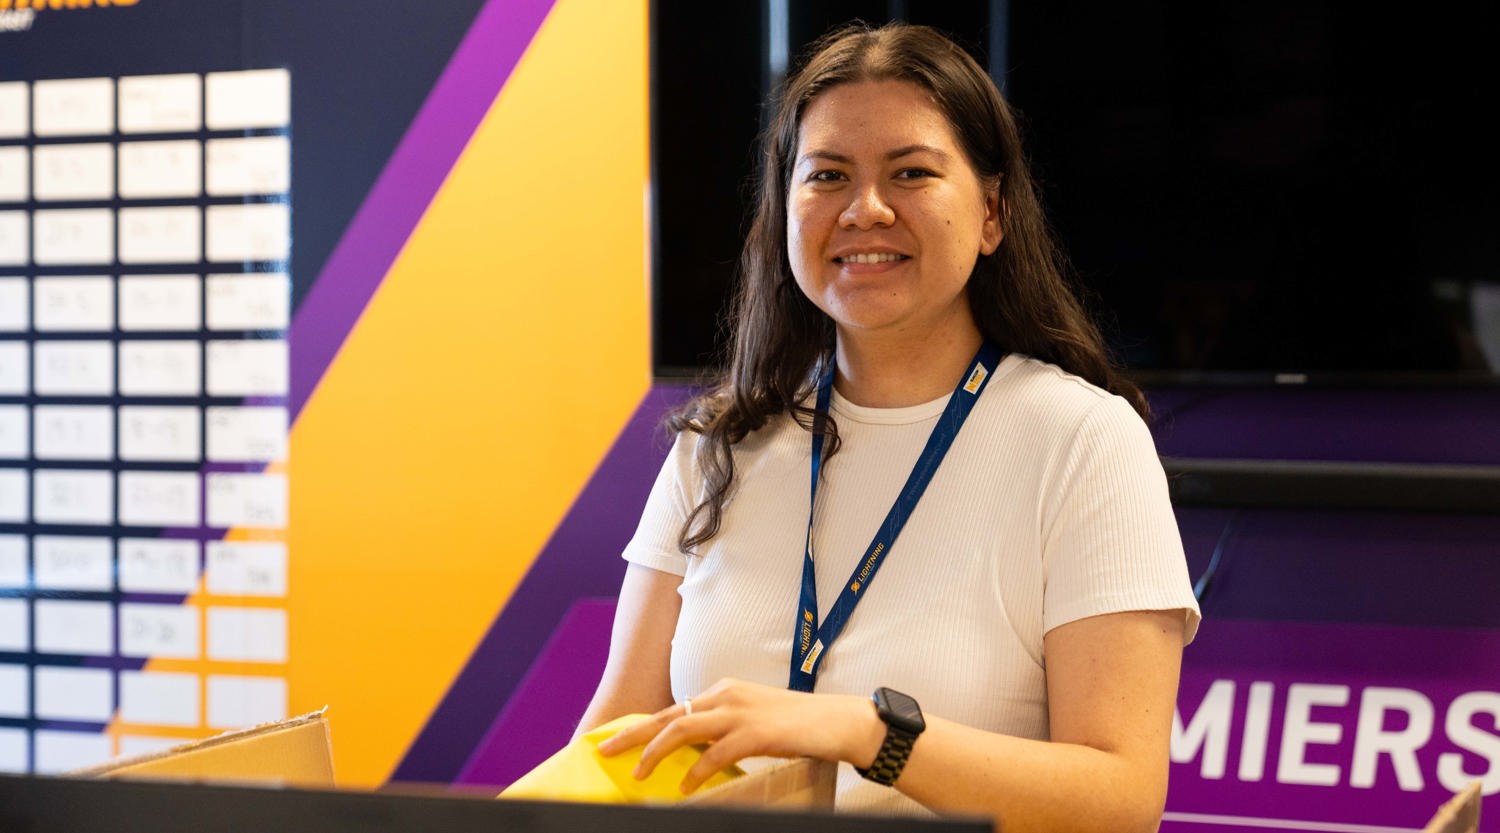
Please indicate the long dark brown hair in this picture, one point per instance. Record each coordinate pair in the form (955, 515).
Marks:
(779, 341)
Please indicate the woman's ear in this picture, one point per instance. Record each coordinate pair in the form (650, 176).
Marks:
(993, 231)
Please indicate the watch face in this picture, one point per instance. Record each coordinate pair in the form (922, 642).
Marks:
(899, 710)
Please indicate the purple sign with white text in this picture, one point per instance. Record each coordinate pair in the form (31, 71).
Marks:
(1332, 727)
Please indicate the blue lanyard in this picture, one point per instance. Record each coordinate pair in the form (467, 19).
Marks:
(810, 641)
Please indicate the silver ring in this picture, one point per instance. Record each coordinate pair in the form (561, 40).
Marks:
(687, 706)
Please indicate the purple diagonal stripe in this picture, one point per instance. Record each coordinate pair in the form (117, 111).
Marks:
(463, 94)
(539, 717)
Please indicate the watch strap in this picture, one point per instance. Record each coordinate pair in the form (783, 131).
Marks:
(891, 758)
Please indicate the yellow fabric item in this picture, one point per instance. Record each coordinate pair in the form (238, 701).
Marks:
(577, 772)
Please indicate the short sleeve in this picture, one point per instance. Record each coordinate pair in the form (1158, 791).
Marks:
(1110, 538)
(654, 544)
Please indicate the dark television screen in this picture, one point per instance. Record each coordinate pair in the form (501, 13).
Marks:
(1294, 190)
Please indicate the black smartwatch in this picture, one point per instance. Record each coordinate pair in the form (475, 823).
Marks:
(903, 722)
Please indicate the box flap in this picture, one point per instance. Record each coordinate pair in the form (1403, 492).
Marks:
(297, 752)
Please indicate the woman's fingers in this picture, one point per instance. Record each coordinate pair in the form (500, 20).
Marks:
(725, 752)
(684, 730)
(638, 733)
(730, 718)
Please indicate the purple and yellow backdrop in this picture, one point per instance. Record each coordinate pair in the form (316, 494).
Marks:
(474, 429)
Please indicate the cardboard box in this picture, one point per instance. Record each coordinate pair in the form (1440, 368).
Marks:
(299, 752)
(294, 752)
(802, 783)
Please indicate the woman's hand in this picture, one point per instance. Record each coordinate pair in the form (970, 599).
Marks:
(739, 720)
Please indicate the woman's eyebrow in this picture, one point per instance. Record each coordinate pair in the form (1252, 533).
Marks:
(842, 159)
(826, 154)
(918, 148)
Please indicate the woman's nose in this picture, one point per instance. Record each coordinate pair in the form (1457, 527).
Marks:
(867, 209)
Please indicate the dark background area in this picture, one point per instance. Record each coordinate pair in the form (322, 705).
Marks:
(1245, 190)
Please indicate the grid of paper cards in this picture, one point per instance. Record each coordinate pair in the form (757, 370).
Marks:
(145, 236)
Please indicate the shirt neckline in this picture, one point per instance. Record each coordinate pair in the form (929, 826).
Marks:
(908, 414)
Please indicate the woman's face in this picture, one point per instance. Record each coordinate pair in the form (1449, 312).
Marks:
(885, 215)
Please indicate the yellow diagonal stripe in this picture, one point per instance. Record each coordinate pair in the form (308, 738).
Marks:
(504, 351)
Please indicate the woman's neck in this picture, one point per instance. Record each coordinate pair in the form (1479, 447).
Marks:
(888, 373)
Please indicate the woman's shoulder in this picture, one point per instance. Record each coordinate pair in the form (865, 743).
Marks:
(1050, 386)
(772, 436)
(1052, 403)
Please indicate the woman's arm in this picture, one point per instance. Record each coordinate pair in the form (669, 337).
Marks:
(636, 676)
(1111, 683)
(1111, 687)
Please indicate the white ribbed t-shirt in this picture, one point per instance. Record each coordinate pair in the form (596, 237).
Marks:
(1050, 506)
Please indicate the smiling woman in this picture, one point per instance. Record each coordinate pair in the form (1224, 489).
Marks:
(885, 221)
(909, 370)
